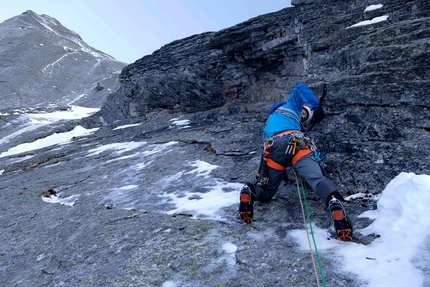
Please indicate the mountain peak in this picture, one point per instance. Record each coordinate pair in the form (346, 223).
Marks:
(34, 20)
(39, 54)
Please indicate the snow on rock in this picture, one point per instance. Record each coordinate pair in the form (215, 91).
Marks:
(403, 228)
(369, 22)
(373, 7)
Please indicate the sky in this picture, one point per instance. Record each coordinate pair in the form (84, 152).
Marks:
(402, 218)
(130, 29)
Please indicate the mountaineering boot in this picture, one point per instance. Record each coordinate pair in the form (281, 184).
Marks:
(246, 205)
(342, 225)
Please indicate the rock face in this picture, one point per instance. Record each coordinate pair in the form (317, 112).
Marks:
(123, 228)
(373, 60)
(42, 63)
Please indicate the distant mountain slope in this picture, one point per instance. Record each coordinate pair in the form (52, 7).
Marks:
(43, 63)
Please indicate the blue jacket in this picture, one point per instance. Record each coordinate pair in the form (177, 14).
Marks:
(286, 115)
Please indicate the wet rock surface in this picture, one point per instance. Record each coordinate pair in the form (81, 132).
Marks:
(121, 230)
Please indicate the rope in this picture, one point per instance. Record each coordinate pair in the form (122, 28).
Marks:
(307, 232)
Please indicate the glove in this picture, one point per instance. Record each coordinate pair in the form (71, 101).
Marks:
(318, 115)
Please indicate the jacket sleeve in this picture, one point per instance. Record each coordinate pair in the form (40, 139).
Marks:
(301, 95)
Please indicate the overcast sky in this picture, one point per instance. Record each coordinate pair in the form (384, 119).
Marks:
(131, 29)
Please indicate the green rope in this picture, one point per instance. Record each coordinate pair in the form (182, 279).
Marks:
(312, 233)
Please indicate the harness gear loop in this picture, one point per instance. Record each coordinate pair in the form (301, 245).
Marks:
(300, 145)
(261, 176)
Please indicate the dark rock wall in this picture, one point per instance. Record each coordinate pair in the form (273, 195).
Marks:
(377, 122)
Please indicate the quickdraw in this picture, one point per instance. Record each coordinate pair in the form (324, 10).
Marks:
(261, 175)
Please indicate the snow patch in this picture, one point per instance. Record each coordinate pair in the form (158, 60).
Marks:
(218, 193)
(73, 113)
(369, 22)
(126, 126)
(230, 256)
(180, 123)
(169, 284)
(119, 148)
(400, 255)
(361, 195)
(202, 168)
(229, 247)
(373, 7)
(69, 201)
(54, 139)
(33, 121)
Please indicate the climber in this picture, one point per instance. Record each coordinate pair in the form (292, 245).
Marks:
(287, 143)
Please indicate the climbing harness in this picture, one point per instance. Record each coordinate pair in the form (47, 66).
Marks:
(305, 206)
(294, 144)
(261, 175)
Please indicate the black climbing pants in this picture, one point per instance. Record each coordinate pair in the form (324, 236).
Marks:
(311, 172)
